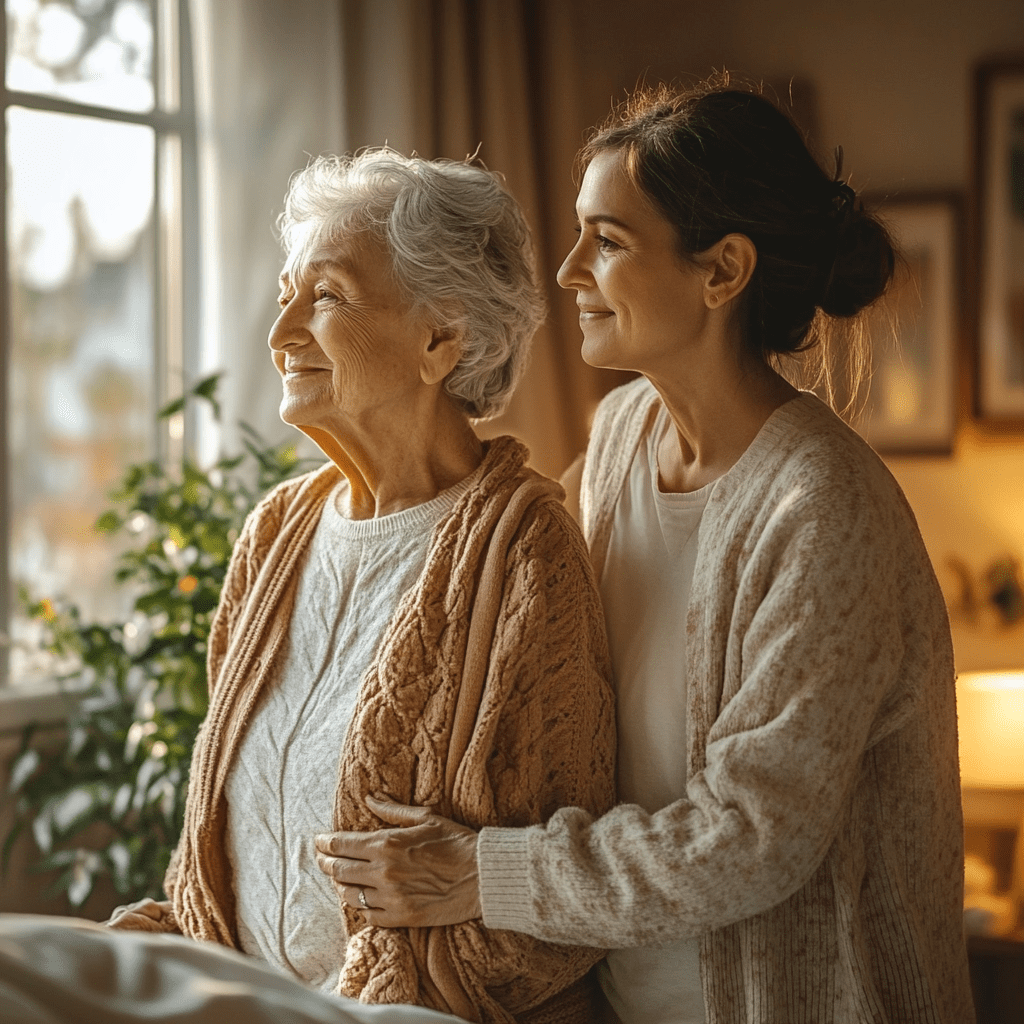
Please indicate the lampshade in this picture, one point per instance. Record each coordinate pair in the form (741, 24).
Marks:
(990, 708)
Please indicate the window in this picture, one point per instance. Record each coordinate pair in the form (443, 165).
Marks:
(99, 165)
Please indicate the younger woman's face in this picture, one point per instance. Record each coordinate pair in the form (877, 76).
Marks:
(641, 305)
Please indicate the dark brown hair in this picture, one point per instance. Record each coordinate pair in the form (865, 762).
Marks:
(715, 160)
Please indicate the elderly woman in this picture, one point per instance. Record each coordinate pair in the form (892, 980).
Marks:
(421, 607)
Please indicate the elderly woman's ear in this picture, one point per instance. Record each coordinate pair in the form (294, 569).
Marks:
(441, 354)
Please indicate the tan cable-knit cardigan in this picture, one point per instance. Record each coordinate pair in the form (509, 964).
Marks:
(543, 737)
(819, 850)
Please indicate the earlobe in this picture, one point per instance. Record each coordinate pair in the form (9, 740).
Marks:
(731, 265)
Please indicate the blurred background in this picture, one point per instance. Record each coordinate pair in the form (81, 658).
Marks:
(148, 146)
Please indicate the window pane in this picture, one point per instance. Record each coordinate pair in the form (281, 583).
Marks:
(80, 246)
(90, 51)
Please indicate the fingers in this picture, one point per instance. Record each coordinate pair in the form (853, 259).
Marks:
(351, 845)
(142, 908)
(399, 814)
(421, 874)
(366, 845)
(345, 871)
(363, 898)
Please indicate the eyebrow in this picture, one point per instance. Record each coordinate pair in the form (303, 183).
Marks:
(606, 218)
(314, 267)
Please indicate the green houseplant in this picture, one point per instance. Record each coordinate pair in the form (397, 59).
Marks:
(110, 799)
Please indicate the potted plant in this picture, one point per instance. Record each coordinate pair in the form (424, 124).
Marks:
(110, 799)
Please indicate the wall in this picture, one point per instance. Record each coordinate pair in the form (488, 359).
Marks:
(892, 82)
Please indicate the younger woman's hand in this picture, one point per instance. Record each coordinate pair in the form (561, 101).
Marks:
(421, 874)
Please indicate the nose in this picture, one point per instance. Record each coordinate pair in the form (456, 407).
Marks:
(571, 272)
(286, 331)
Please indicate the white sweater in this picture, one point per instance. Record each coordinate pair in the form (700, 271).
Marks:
(819, 850)
(280, 790)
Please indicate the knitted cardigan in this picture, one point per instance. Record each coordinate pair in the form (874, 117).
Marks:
(543, 736)
(818, 853)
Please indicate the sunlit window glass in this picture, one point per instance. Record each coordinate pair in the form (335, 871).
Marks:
(98, 52)
(80, 391)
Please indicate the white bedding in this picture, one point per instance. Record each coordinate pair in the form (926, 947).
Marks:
(56, 970)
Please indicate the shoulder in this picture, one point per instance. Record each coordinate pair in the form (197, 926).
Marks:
(618, 426)
(812, 501)
(547, 556)
(807, 458)
(271, 512)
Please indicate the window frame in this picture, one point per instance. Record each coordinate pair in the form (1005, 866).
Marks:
(175, 241)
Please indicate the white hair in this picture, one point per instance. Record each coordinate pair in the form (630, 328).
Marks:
(459, 248)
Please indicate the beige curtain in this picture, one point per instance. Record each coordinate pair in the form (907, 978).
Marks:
(498, 77)
(268, 94)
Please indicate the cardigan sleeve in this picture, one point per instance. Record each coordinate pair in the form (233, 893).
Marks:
(242, 569)
(816, 641)
(554, 745)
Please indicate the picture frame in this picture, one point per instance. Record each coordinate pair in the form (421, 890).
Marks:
(998, 242)
(912, 403)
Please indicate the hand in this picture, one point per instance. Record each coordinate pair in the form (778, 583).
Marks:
(145, 916)
(418, 875)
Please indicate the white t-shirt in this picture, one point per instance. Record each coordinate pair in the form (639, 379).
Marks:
(281, 788)
(645, 588)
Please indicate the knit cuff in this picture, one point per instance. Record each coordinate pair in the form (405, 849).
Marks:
(503, 864)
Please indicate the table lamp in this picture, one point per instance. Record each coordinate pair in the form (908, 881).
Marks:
(990, 709)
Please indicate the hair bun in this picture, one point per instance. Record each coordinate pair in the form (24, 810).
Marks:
(864, 263)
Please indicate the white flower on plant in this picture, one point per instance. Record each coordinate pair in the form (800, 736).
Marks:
(121, 800)
(139, 522)
(136, 732)
(71, 806)
(42, 830)
(120, 858)
(87, 863)
(22, 768)
(142, 780)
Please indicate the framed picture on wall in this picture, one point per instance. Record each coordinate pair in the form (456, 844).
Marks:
(998, 223)
(912, 402)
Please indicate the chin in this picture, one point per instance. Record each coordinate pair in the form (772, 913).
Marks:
(299, 412)
(600, 356)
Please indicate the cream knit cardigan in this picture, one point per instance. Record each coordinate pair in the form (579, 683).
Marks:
(543, 736)
(818, 853)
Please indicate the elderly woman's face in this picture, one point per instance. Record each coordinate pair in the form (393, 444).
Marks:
(345, 343)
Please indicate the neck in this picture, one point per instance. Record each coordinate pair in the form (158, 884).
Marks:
(716, 416)
(399, 458)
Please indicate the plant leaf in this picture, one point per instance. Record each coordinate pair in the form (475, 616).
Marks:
(171, 408)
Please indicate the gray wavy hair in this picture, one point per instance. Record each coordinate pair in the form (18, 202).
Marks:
(459, 247)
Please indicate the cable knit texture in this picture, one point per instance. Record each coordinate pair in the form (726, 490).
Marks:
(818, 853)
(537, 736)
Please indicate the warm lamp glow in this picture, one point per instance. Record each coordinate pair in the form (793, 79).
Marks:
(990, 708)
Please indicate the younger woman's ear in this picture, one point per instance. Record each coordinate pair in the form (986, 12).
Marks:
(441, 354)
(730, 264)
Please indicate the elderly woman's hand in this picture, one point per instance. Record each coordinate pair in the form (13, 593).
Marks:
(146, 915)
(418, 875)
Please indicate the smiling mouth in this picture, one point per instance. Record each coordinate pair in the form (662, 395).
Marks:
(594, 314)
(302, 371)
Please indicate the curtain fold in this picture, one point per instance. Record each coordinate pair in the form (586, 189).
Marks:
(268, 95)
